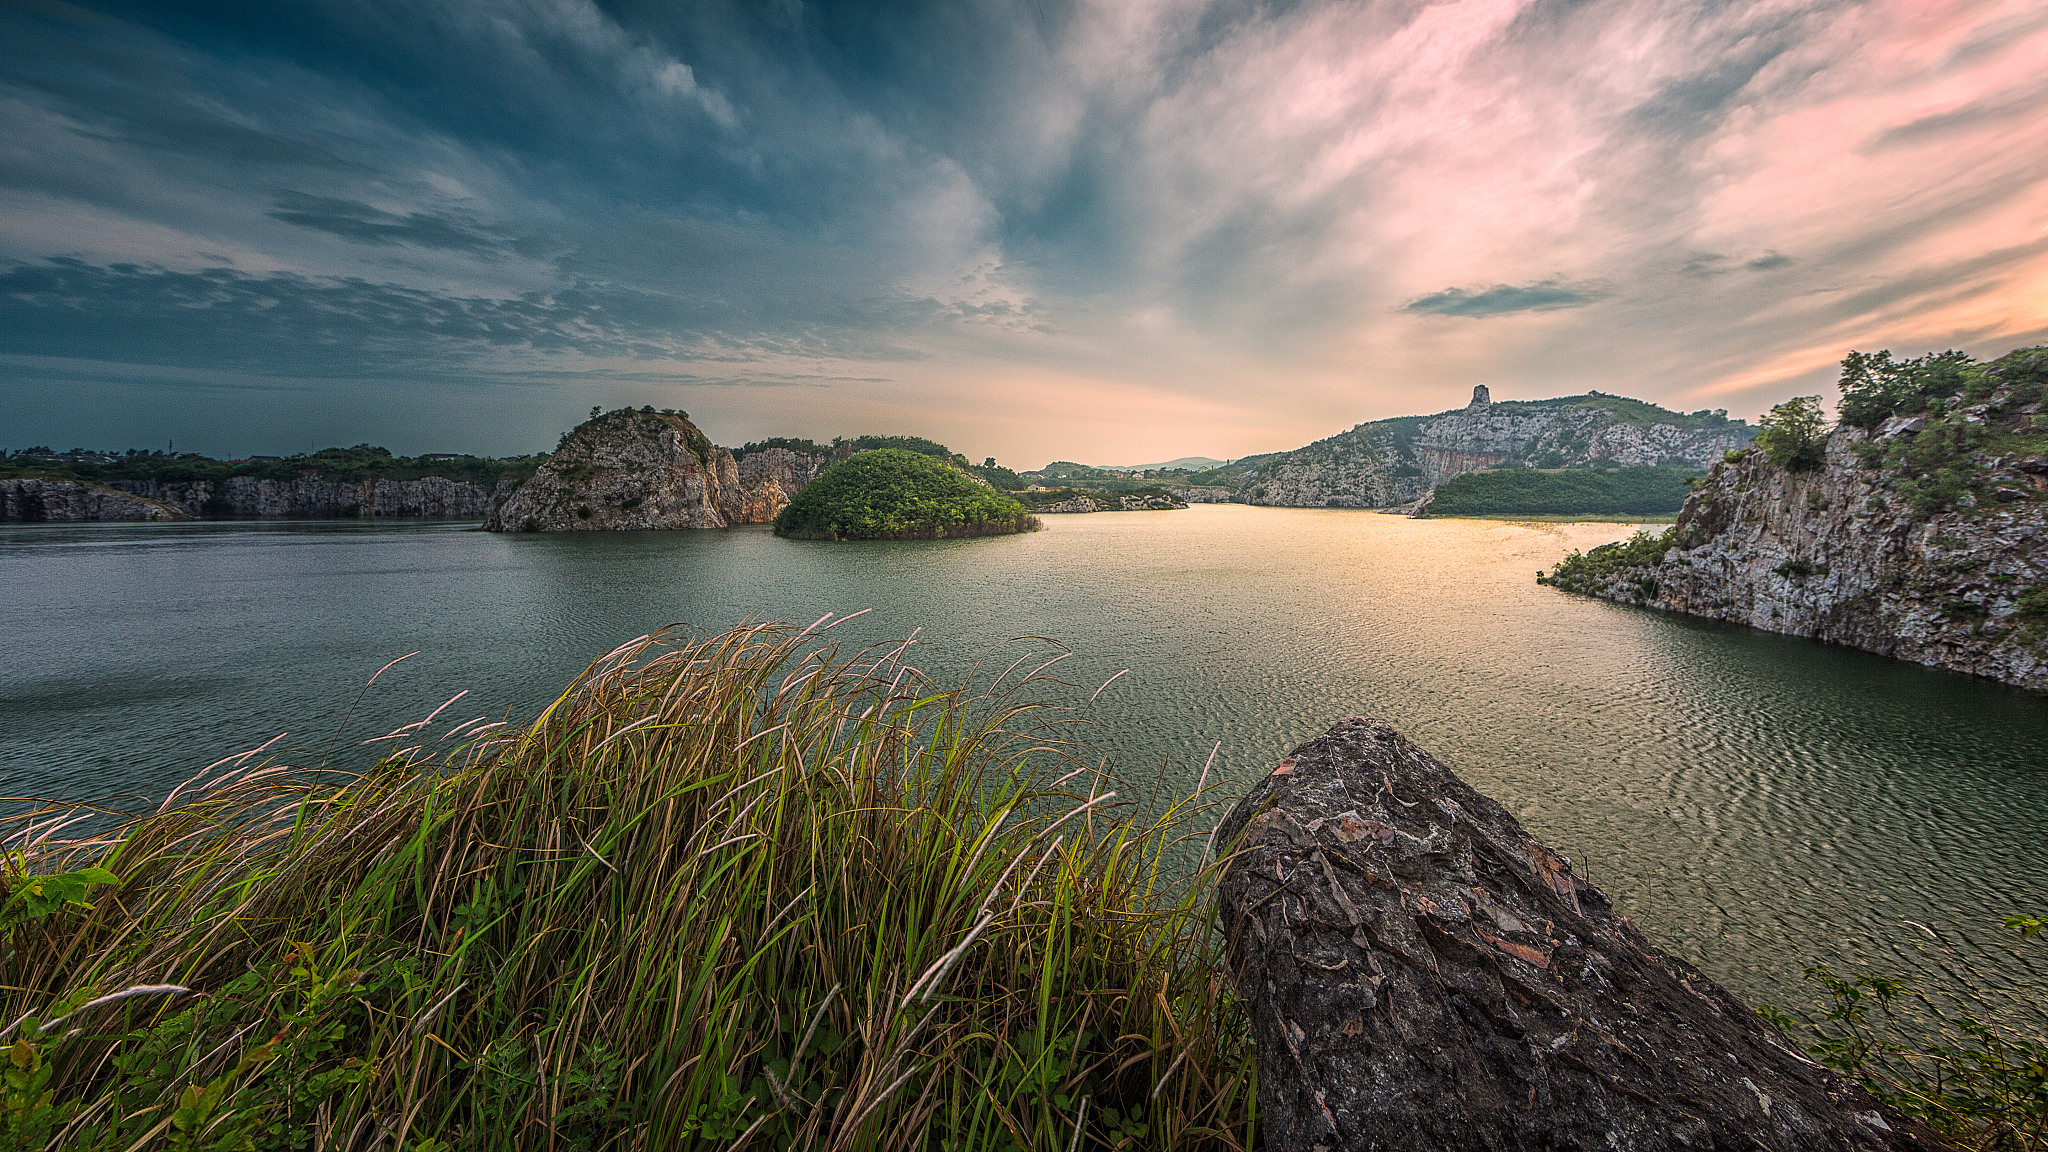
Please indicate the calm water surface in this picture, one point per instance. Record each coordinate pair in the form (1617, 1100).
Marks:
(1754, 801)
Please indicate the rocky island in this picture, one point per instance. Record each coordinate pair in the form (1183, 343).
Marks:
(1916, 528)
(636, 468)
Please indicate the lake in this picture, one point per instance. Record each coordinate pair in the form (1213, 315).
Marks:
(1755, 802)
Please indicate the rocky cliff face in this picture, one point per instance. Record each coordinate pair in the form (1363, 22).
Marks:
(70, 501)
(641, 469)
(310, 497)
(1945, 566)
(1395, 461)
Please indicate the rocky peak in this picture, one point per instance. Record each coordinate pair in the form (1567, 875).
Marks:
(1480, 398)
(639, 469)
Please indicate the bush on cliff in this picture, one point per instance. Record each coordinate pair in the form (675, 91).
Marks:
(1876, 387)
(737, 890)
(895, 494)
(1794, 435)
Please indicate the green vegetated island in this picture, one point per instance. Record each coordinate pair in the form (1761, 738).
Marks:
(896, 494)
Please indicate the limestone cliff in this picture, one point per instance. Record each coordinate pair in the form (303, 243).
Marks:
(311, 497)
(1925, 539)
(41, 500)
(639, 469)
(1389, 462)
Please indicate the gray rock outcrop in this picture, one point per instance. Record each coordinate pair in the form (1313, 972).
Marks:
(1841, 554)
(311, 497)
(1422, 975)
(40, 500)
(638, 469)
(1389, 462)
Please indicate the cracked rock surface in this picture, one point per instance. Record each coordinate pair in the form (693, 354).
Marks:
(1422, 974)
(1837, 555)
(628, 470)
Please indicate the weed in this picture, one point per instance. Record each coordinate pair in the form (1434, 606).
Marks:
(725, 890)
(1974, 1083)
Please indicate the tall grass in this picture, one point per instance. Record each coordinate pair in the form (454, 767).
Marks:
(733, 891)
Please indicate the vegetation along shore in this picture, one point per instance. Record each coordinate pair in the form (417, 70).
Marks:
(736, 889)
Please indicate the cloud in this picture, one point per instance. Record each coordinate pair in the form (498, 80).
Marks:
(1503, 299)
(1990, 111)
(1705, 264)
(1220, 206)
(357, 221)
(285, 321)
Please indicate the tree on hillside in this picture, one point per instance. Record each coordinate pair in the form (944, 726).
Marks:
(1792, 434)
(1875, 386)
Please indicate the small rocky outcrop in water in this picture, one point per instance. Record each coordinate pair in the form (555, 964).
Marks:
(41, 500)
(638, 469)
(1423, 975)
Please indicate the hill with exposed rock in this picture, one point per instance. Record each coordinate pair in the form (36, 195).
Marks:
(635, 468)
(1390, 462)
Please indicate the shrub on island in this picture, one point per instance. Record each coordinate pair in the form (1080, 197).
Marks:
(893, 494)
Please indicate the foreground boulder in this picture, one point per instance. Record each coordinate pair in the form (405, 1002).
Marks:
(1421, 974)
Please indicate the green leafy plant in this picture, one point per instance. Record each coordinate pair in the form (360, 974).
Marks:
(1875, 386)
(1971, 1081)
(1588, 572)
(1793, 435)
(34, 897)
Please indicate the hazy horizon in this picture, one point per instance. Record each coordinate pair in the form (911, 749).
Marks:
(1033, 231)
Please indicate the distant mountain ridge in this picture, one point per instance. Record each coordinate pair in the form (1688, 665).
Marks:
(1390, 462)
(1185, 463)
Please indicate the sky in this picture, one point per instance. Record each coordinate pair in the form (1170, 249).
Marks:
(1110, 232)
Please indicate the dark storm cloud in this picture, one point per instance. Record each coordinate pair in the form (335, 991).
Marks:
(1503, 299)
(347, 326)
(354, 220)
